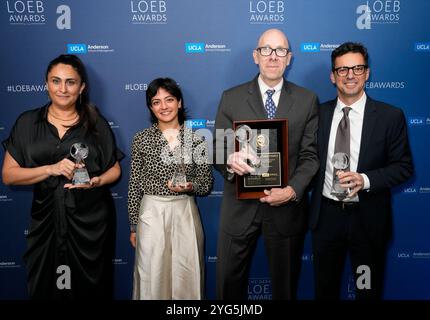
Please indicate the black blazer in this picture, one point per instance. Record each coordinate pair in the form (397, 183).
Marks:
(385, 157)
(300, 106)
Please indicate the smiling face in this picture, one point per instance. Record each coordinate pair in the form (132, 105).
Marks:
(350, 87)
(64, 86)
(165, 107)
(272, 67)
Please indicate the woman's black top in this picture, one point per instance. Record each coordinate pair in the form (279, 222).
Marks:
(71, 235)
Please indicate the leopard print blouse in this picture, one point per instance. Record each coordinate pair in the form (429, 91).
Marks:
(153, 164)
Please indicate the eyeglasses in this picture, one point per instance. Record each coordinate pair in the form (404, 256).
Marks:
(267, 51)
(358, 70)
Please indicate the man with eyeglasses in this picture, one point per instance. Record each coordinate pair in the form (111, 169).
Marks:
(356, 219)
(281, 215)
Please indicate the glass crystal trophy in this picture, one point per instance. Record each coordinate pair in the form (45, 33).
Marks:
(249, 143)
(179, 177)
(340, 161)
(79, 151)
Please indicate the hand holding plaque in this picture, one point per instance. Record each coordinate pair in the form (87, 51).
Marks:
(79, 151)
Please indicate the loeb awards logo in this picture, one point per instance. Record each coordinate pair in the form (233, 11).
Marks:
(33, 13)
(26, 12)
(385, 84)
(259, 289)
(377, 12)
(148, 12)
(266, 12)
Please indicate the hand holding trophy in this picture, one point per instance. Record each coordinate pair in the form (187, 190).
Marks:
(79, 151)
(178, 182)
(340, 162)
(179, 177)
(247, 140)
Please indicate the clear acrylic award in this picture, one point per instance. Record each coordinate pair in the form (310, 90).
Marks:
(249, 142)
(340, 162)
(179, 177)
(79, 151)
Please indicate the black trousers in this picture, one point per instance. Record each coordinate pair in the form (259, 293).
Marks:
(235, 256)
(341, 231)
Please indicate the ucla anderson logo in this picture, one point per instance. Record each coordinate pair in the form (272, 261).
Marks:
(410, 190)
(81, 48)
(422, 46)
(76, 48)
(196, 47)
(195, 123)
(417, 121)
(310, 47)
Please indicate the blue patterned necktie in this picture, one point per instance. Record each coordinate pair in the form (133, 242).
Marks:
(270, 105)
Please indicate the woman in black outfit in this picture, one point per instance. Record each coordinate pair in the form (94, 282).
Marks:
(70, 240)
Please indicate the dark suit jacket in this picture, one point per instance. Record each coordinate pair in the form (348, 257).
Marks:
(385, 158)
(300, 107)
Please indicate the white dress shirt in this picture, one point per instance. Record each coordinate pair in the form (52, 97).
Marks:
(264, 87)
(356, 115)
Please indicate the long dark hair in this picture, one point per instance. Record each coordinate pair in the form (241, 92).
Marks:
(171, 87)
(87, 112)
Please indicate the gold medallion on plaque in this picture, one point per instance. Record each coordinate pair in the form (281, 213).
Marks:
(261, 141)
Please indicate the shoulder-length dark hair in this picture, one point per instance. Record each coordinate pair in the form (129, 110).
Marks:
(171, 87)
(87, 112)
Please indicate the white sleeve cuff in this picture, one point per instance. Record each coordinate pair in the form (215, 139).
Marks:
(366, 182)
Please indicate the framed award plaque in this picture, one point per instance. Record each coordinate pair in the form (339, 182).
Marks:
(266, 143)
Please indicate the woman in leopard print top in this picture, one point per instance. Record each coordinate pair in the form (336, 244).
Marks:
(165, 223)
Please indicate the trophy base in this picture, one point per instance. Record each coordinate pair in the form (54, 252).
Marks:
(179, 180)
(81, 177)
(339, 195)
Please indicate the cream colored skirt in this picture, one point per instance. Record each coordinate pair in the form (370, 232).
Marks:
(169, 262)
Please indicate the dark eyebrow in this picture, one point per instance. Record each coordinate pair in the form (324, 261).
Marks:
(55, 77)
(163, 98)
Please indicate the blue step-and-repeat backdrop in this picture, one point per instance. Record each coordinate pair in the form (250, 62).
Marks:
(206, 46)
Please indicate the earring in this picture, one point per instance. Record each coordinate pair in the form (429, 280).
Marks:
(80, 99)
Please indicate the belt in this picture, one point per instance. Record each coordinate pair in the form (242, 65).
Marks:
(341, 204)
